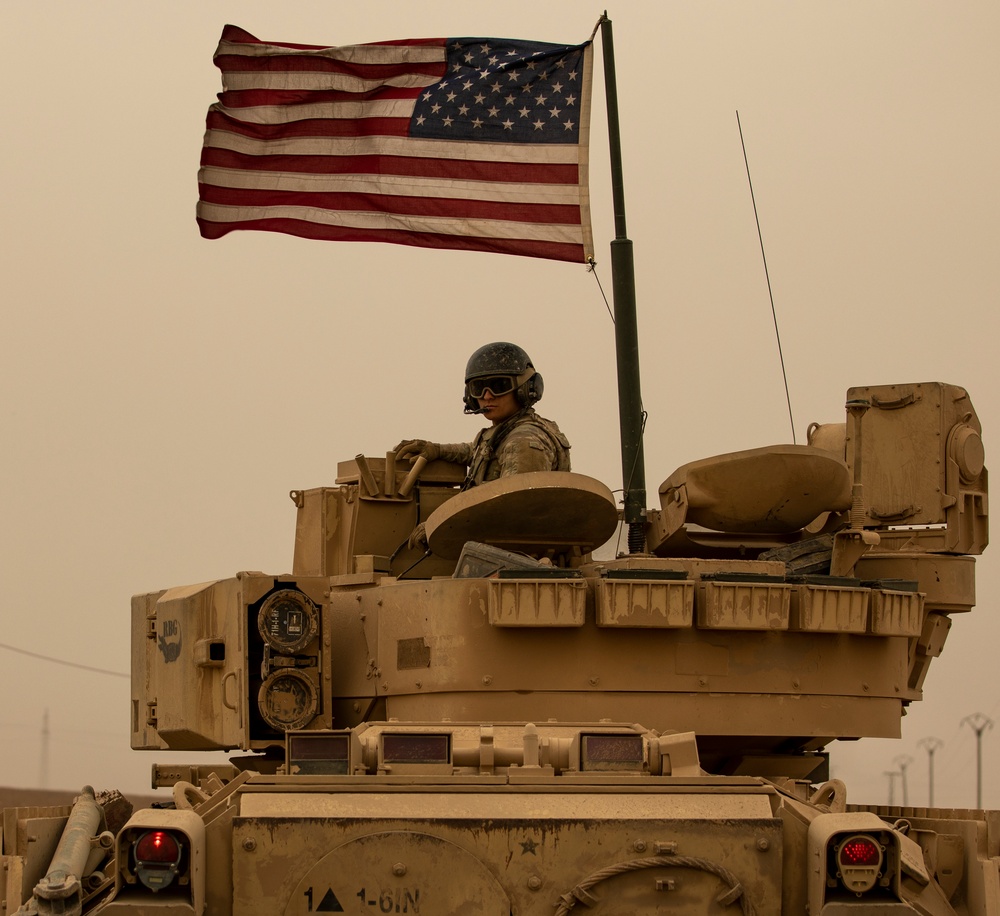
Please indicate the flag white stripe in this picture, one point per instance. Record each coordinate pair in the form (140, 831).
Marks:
(352, 54)
(476, 228)
(318, 81)
(394, 185)
(469, 151)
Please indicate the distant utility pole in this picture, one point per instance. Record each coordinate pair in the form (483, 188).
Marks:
(903, 761)
(43, 774)
(930, 745)
(978, 723)
(892, 774)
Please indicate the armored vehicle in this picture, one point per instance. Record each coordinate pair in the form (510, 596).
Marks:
(506, 723)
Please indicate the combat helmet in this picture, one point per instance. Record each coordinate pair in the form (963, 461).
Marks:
(503, 359)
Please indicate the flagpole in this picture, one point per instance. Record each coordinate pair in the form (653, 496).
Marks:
(630, 413)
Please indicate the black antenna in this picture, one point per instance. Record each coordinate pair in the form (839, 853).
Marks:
(774, 314)
(630, 412)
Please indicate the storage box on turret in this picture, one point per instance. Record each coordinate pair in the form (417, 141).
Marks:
(897, 608)
(828, 604)
(743, 601)
(645, 598)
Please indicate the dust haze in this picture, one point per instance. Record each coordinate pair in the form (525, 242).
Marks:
(161, 394)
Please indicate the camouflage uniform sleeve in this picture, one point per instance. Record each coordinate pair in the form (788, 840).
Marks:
(527, 449)
(458, 452)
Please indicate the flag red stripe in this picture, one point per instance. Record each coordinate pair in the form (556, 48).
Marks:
(298, 63)
(312, 127)
(468, 170)
(557, 251)
(449, 207)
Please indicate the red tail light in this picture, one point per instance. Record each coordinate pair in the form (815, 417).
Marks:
(157, 858)
(860, 858)
(157, 846)
(860, 850)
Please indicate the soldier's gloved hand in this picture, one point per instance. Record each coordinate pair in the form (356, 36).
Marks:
(417, 448)
(417, 538)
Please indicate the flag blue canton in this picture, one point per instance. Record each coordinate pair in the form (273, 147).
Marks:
(506, 91)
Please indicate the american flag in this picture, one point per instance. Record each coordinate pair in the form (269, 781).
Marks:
(468, 143)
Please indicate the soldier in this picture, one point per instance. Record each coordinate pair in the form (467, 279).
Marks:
(501, 384)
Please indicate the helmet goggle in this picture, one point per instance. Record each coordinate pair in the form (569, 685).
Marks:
(498, 385)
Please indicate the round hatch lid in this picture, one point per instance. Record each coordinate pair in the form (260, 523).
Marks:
(534, 513)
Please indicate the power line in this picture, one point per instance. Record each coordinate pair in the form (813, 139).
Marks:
(61, 661)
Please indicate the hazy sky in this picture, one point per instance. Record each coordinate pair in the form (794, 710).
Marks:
(161, 394)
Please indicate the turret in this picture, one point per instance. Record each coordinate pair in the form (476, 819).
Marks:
(790, 596)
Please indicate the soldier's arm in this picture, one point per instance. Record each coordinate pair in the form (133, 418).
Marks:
(457, 452)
